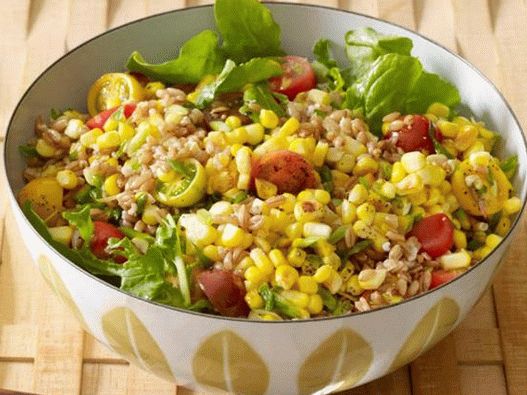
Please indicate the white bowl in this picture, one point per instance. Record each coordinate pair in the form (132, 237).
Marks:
(238, 355)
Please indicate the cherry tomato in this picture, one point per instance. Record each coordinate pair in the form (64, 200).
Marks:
(99, 120)
(415, 137)
(298, 76)
(440, 277)
(435, 233)
(289, 171)
(225, 291)
(102, 232)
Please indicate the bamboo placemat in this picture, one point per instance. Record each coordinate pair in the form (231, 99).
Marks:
(43, 350)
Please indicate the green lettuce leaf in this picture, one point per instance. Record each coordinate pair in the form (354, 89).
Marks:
(198, 57)
(323, 54)
(82, 221)
(262, 95)
(248, 29)
(428, 89)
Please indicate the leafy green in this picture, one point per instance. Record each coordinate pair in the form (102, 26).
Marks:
(28, 151)
(82, 221)
(199, 56)
(326, 68)
(509, 166)
(181, 168)
(428, 89)
(322, 52)
(248, 29)
(233, 78)
(262, 95)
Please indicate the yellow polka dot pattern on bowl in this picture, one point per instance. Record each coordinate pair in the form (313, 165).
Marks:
(226, 361)
(435, 325)
(128, 337)
(340, 362)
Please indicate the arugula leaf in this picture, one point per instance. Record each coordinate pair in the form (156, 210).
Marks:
(233, 78)
(262, 95)
(28, 151)
(509, 166)
(82, 221)
(323, 55)
(431, 88)
(199, 56)
(248, 29)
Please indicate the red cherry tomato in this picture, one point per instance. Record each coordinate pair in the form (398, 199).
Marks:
(225, 291)
(298, 76)
(415, 137)
(289, 171)
(435, 233)
(99, 120)
(102, 232)
(440, 277)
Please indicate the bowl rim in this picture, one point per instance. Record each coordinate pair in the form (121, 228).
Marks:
(12, 195)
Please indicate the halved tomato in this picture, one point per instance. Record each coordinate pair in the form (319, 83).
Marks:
(435, 233)
(298, 76)
(111, 90)
(187, 188)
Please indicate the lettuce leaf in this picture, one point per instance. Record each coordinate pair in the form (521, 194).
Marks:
(248, 29)
(82, 221)
(198, 57)
(428, 89)
(262, 95)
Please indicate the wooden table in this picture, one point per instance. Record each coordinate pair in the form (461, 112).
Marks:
(43, 350)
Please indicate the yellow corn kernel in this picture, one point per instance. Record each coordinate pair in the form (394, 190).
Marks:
(44, 149)
(254, 300)
(317, 229)
(457, 260)
(279, 219)
(324, 248)
(67, 179)
(353, 286)
(294, 230)
(366, 213)
(125, 131)
(152, 87)
(315, 305)
(371, 278)
(307, 284)
(110, 185)
(438, 109)
(385, 128)
(445, 187)
(466, 137)
(165, 176)
(255, 133)
(503, 226)
(306, 194)
(392, 299)
(332, 260)
(262, 261)
(448, 129)
(221, 208)
(233, 121)
(296, 257)
(212, 252)
(150, 215)
(268, 119)
(493, 240)
(363, 230)
(62, 234)
(365, 165)
(482, 252)
(319, 97)
(398, 172)
(262, 243)
(108, 140)
(413, 161)
(410, 184)
(308, 210)
(297, 298)
(89, 138)
(358, 194)
(243, 165)
(479, 159)
(348, 212)
(254, 275)
(388, 190)
(302, 146)
(346, 164)
(289, 127)
(354, 147)
(277, 257)
(334, 155)
(512, 205)
(75, 128)
(232, 236)
(319, 155)
(274, 143)
(288, 205)
(432, 175)
(286, 276)
(237, 136)
(478, 146)
(265, 189)
(460, 239)
(323, 274)
(333, 283)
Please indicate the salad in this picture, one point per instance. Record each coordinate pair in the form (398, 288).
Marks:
(238, 180)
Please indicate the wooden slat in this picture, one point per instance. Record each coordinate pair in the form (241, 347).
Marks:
(17, 342)
(95, 352)
(103, 379)
(478, 380)
(435, 20)
(157, 6)
(80, 31)
(140, 382)
(478, 346)
(123, 11)
(16, 375)
(400, 12)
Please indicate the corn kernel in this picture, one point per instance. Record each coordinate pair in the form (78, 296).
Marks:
(493, 240)
(365, 165)
(315, 305)
(482, 252)
(317, 229)
(268, 119)
(289, 203)
(332, 260)
(232, 236)
(448, 129)
(503, 226)
(277, 257)
(221, 208)
(197, 231)
(460, 239)
(243, 165)
(294, 230)
(466, 137)
(334, 155)
(233, 121)
(479, 159)
(324, 248)
(323, 273)
(44, 149)
(358, 194)
(348, 212)
(319, 155)
(125, 131)
(413, 161)
(152, 87)
(262, 243)
(289, 127)
(512, 205)
(308, 211)
(67, 179)
(366, 213)
(456, 260)
(438, 109)
(262, 261)
(254, 275)
(478, 146)
(296, 257)
(254, 300)
(110, 185)
(212, 252)
(308, 285)
(285, 276)
(237, 136)
(432, 175)
(346, 164)
(353, 286)
(75, 128)
(354, 147)
(265, 189)
(62, 234)
(297, 298)
(410, 184)
(150, 215)
(398, 172)
(319, 97)
(371, 278)
(255, 133)
(303, 146)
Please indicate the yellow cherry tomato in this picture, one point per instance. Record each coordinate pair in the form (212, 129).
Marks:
(112, 90)
(45, 195)
(491, 195)
(187, 188)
